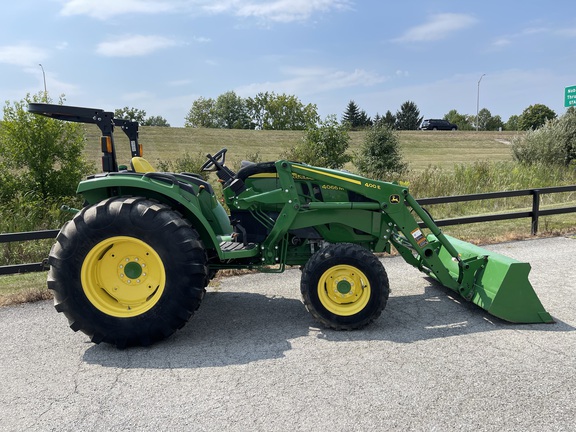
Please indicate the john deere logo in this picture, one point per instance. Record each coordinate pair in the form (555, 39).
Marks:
(394, 199)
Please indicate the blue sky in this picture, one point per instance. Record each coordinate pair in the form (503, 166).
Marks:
(161, 55)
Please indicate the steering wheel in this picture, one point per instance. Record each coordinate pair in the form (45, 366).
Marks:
(219, 158)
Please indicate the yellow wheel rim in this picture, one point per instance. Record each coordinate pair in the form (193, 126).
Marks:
(123, 276)
(344, 290)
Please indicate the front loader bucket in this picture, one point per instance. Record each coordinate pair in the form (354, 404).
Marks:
(501, 286)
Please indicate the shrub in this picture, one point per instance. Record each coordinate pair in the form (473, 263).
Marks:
(190, 163)
(39, 155)
(552, 144)
(379, 156)
(324, 145)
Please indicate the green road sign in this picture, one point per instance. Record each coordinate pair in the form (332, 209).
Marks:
(570, 96)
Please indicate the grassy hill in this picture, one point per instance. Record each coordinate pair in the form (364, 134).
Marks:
(420, 148)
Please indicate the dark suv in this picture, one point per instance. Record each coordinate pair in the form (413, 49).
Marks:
(437, 124)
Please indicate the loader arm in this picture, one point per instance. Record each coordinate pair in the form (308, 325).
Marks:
(387, 214)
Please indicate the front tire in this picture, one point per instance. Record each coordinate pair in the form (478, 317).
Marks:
(127, 271)
(344, 286)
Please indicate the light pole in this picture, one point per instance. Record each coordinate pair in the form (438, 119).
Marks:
(44, 76)
(478, 101)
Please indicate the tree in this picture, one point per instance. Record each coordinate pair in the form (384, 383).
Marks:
(365, 120)
(512, 123)
(535, 116)
(256, 108)
(39, 156)
(379, 156)
(265, 111)
(408, 117)
(202, 114)
(156, 121)
(131, 114)
(389, 120)
(460, 120)
(351, 115)
(139, 115)
(286, 112)
(355, 118)
(324, 145)
(487, 122)
(231, 112)
(495, 123)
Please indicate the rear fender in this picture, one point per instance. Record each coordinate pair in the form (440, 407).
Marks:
(182, 199)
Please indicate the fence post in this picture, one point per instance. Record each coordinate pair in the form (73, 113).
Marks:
(535, 211)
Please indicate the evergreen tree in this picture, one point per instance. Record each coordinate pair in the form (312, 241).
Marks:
(355, 117)
(364, 120)
(352, 115)
(389, 119)
(408, 118)
(379, 156)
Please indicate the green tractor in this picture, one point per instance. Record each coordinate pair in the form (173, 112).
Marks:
(132, 266)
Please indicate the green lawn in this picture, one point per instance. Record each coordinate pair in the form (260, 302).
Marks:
(421, 148)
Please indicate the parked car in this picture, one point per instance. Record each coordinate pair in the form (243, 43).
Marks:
(437, 124)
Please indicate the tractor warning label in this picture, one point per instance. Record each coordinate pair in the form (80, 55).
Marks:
(419, 237)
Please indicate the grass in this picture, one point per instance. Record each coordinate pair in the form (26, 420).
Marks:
(15, 289)
(420, 148)
(434, 158)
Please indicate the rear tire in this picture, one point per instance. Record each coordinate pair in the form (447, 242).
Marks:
(127, 271)
(344, 286)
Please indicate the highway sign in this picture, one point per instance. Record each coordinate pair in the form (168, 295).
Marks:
(570, 96)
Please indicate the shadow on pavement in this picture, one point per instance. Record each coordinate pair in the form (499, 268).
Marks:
(235, 328)
(229, 328)
(438, 313)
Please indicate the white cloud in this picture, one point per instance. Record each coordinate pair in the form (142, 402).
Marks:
(501, 42)
(276, 10)
(22, 55)
(439, 26)
(287, 10)
(104, 9)
(342, 79)
(567, 32)
(134, 45)
(200, 39)
(308, 81)
(506, 40)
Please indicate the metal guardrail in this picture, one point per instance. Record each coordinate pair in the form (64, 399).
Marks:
(534, 214)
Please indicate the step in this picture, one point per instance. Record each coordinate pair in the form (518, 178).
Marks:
(238, 250)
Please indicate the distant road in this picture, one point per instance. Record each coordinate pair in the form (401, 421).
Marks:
(252, 359)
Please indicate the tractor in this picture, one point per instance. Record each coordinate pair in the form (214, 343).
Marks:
(132, 266)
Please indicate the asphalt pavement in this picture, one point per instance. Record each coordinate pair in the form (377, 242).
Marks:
(253, 359)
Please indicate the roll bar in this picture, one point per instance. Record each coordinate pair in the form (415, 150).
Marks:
(103, 119)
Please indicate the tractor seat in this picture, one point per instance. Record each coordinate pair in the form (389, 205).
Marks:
(141, 165)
